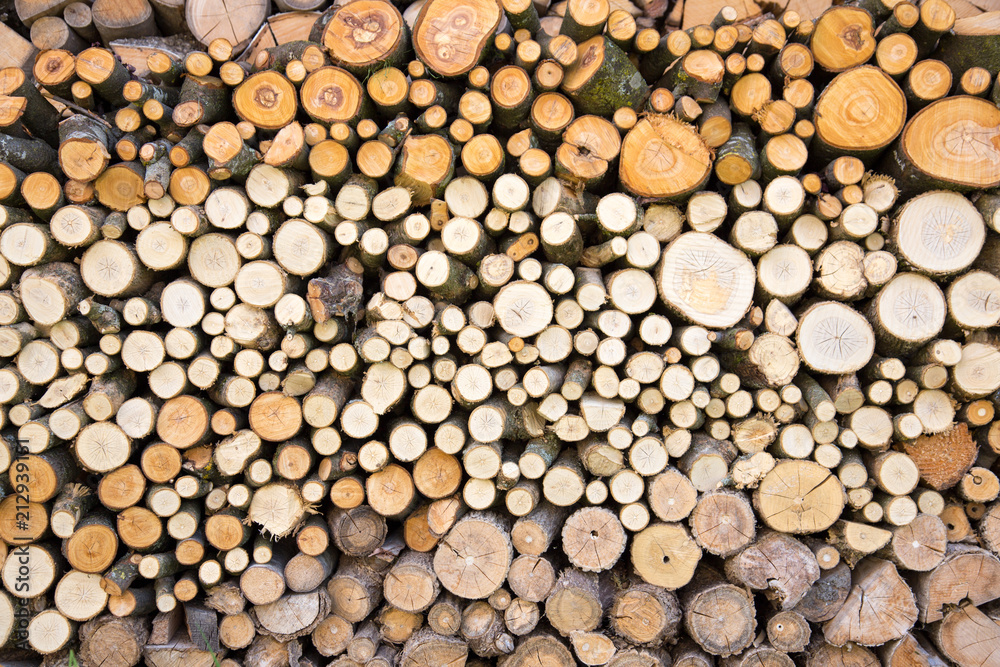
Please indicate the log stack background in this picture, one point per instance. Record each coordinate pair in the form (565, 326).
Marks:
(468, 333)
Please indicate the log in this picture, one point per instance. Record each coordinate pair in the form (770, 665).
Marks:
(577, 601)
(708, 283)
(602, 79)
(238, 32)
(440, 26)
(476, 538)
(911, 168)
(379, 37)
(645, 614)
(663, 159)
(680, 555)
(832, 336)
(718, 616)
(106, 636)
(968, 33)
(760, 566)
(898, 605)
(818, 507)
(131, 19)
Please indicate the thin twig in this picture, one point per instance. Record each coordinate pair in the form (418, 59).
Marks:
(75, 107)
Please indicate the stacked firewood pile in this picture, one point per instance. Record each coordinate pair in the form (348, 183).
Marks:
(465, 333)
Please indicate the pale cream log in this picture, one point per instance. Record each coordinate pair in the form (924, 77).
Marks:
(705, 280)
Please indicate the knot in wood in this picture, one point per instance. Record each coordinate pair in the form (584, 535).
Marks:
(266, 97)
(332, 96)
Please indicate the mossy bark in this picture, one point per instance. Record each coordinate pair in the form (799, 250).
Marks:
(203, 100)
(616, 83)
(29, 155)
(738, 156)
